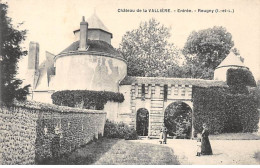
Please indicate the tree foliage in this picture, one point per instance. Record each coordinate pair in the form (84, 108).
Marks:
(10, 53)
(204, 50)
(147, 50)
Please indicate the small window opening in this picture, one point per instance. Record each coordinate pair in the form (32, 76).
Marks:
(143, 90)
(165, 92)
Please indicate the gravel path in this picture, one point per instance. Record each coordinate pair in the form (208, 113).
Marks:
(225, 152)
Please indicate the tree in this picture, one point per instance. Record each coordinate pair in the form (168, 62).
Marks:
(204, 50)
(147, 50)
(10, 54)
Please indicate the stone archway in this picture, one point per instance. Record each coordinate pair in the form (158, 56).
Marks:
(178, 120)
(142, 122)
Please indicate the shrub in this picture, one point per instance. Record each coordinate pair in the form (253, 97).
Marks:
(223, 111)
(238, 79)
(255, 91)
(85, 98)
(119, 130)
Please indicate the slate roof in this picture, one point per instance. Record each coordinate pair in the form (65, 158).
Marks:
(95, 46)
(128, 80)
(231, 60)
(45, 70)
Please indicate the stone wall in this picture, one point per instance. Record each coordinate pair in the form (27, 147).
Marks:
(18, 134)
(32, 132)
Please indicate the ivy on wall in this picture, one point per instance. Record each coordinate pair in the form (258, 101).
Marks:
(223, 111)
(85, 98)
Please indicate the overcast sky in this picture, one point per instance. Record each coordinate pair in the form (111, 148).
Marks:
(51, 22)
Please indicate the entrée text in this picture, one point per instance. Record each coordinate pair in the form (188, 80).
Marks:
(165, 10)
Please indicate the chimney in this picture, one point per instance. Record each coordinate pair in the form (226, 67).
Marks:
(33, 59)
(83, 34)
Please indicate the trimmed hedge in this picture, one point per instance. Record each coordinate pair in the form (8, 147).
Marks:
(224, 112)
(241, 77)
(85, 98)
(238, 79)
(119, 130)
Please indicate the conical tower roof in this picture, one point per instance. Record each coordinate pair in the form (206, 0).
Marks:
(231, 60)
(95, 23)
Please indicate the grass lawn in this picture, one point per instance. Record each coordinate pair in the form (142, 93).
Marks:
(235, 136)
(121, 152)
(136, 153)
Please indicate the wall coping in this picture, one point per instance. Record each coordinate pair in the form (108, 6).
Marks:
(51, 107)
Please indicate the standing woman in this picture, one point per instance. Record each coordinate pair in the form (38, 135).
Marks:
(164, 134)
(205, 144)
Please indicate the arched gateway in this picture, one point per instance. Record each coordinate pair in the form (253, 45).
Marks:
(142, 122)
(178, 120)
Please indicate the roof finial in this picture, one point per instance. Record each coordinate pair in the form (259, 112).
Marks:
(83, 18)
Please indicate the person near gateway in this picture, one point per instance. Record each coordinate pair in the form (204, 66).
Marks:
(198, 144)
(205, 144)
(163, 135)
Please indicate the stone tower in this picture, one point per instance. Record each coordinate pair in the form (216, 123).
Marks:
(90, 62)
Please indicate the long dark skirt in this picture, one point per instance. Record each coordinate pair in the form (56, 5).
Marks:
(205, 146)
(164, 137)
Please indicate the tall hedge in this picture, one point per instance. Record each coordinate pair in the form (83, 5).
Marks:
(85, 98)
(241, 77)
(223, 111)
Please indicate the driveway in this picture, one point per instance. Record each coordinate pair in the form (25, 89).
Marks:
(225, 152)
